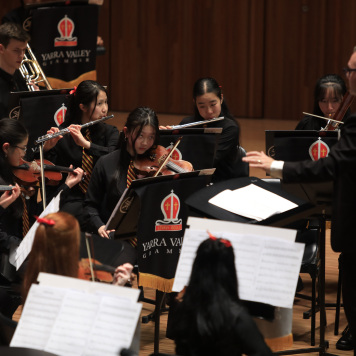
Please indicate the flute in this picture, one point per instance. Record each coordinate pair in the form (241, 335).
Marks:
(47, 137)
(203, 122)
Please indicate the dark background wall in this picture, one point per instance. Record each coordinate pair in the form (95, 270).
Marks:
(266, 54)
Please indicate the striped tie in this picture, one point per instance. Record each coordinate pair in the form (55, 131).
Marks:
(25, 218)
(130, 177)
(87, 165)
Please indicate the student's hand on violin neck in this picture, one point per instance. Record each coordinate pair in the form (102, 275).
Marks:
(104, 233)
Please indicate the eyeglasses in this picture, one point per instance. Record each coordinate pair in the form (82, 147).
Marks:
(21, 148)
(348, 70)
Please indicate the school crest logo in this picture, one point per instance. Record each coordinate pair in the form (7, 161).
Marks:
(319, 149)
(66, 28)
(170, 207)
(59, 115)
(15, 113)
(176, 155)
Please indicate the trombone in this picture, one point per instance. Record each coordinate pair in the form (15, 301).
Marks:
(32, 71)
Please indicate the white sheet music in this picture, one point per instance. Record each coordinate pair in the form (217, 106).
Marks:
(20, 253)
(252, 202)
(267, 267)
(73, 322)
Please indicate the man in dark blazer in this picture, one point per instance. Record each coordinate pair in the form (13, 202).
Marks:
(339, 167)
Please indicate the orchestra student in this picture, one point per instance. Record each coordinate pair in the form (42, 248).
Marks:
(209, 103)
(55, 250)
(211, 319)
(328, 93)
(82, 148)
(13, 143)
(115, 171)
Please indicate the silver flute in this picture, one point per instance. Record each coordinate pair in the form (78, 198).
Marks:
(47, 137)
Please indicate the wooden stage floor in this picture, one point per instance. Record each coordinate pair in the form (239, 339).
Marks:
(253, 138)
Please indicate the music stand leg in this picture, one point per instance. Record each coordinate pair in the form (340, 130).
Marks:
(158, 306)
(323, 343)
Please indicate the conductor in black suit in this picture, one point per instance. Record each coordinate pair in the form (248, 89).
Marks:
(339, 167)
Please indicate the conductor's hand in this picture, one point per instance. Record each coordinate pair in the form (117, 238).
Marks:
(122, 274)
(10, 196)
(104, 233)
(74, 177)
(52, 142)
(78, 138)
(258, 160)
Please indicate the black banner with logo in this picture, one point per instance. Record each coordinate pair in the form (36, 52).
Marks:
(39, 114)
(161, 228)
(64, 42)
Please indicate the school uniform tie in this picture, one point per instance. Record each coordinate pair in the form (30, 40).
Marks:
(130, 177)
(87, 165)
(25, 218)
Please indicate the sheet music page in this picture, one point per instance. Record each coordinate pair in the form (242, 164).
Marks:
(267, 267)
(20, 253)
(74, 322)
(252, 202)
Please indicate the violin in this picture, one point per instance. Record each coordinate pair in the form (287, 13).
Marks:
(333, 124)
(29, 173)
(148, 166)
(102, 273)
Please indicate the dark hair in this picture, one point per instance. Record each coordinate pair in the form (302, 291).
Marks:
(10, 30)
(207, 303)
(12, 132)
(329, 81)
(86, 93)
(209, 85)
(56, 249)
(139, 118)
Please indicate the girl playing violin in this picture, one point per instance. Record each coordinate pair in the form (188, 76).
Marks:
(14, 220)
(87, 102)
(55, 250)
(115, 171)
(328, 93)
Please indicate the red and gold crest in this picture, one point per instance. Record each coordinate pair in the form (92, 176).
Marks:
(170, 207)
(65, 28)
(176, 155)
(319, 149)
(60, 114)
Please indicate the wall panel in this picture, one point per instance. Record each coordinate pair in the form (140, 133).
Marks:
(161, 48)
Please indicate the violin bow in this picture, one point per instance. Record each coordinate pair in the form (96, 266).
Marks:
(168, 157)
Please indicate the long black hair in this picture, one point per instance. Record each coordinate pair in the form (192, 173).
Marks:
(329, 81)
(210, 85)
(206, 309)
(86, 92)
(12, 132)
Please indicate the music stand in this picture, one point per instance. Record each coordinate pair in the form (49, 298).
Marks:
(198, 145)
(305, 209)
(153, 209)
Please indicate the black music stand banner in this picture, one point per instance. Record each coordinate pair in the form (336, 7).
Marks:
(161, 229)
(298, 145)
(67, 51)
(156, 210)
(39, 111)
